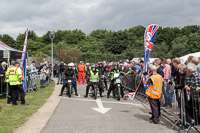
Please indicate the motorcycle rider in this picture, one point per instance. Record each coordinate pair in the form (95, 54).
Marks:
(112, 86)
(69, 74)
(102, 70)
(93, 72)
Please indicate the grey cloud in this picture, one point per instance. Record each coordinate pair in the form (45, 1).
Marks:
(88, 15)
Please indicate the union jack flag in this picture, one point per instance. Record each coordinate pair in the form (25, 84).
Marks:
(149, 37)
(130, 95)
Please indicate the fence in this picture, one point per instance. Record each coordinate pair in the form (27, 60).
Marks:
(33, 82)
(185, 111)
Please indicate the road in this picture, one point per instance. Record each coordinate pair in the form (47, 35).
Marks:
(77, 115)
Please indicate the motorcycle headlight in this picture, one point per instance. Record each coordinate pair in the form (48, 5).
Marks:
(118, 81)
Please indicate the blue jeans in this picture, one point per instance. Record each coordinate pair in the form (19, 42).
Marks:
(173, 96)
(32, 81)
(60, 78)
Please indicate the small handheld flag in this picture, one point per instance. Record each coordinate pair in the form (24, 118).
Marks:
(129, 95)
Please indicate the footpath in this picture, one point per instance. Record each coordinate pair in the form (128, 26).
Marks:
(38, 120)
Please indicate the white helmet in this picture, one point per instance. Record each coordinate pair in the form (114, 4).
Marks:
(87, 64)
(70, 64)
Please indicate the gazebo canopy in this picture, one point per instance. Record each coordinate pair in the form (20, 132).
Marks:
(184, 58)
(9, 52)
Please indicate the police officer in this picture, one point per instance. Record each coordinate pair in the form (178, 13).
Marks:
(154, 92)
(114, 70)
(9, 100)
(102, 70)
(93, 72)
(69, 74)
(15, 81)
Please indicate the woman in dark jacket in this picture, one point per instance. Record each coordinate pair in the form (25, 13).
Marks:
(183, 96)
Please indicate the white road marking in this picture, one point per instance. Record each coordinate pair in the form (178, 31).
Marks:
(112, 102)
(100, 108)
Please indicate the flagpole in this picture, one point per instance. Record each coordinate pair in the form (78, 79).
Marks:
(52, 35)
(23, 62)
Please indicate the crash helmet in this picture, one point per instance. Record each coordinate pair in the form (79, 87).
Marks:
(70, 64)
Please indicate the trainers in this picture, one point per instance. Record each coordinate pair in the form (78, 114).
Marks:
(60, 95)
(76, 94)
(25, 104)
(158, 122)
(85, 96)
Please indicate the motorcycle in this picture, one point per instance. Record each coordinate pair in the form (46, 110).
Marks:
(117, 85)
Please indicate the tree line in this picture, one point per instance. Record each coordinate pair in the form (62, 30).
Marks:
(75, 45)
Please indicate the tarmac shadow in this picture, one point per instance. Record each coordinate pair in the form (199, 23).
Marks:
(142, 117)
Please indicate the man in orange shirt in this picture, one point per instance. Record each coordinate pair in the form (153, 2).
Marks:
(81, 73)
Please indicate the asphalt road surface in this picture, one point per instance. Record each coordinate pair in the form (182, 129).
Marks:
(86, 115)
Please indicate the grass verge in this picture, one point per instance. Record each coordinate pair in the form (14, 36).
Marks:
(12, 117)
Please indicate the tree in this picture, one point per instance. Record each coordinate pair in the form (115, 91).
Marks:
(116, 42)
(7, 39)
(99, 35)
(74, 37)
(69, 55)
(193, 43)
(179, 47)
(21, 37)
(160, 51)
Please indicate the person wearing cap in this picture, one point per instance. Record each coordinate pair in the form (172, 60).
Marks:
(69, 74)
(155, 82)
(14, 75)
(93, 72)
(61, 69)
(81, 73)
(33, 70)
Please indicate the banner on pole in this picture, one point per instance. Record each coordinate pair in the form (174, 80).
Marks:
(149, 37)
(23, 62)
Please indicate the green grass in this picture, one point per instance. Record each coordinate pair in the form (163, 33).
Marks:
(12, 117)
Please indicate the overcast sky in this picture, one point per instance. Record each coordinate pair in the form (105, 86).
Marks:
(88, 15)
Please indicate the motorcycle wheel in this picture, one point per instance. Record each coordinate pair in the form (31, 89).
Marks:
(95, 92)
(70, 91)
(118, 93)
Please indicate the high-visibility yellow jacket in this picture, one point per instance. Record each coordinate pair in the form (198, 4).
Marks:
(14, 75)
(93, 75)
(154, 91)
(7, 73)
